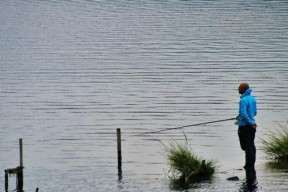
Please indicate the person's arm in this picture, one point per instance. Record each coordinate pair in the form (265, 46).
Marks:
(255, 107)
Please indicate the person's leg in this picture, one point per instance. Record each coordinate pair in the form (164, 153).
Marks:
(242, 133)
(251, 149)
(246, 138)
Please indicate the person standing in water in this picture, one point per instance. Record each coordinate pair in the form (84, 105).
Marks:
(247, 124)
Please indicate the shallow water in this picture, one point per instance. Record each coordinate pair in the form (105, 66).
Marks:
(74, 71)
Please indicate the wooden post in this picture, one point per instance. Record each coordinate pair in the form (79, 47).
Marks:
(21, 152)
(119, 152)
(6, 181)
(18, 171)
(19, 175)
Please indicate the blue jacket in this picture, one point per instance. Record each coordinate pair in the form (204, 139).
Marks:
(247, 109)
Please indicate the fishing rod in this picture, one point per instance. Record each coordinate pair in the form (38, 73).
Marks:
(197, 124)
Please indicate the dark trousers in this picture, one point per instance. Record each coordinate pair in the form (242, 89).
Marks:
(246, 136)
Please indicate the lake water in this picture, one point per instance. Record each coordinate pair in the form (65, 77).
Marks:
(73, 71)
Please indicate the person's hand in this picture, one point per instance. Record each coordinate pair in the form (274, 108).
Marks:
(255, 126)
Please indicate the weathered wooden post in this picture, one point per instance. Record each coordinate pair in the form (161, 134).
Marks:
(6, 180)
(20, 180)
(119, 152)
(17, 170)
(21, 152)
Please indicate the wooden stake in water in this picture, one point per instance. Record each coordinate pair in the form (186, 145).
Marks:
(6, 180)
(21, 152)
(20, 180)
(119, 151)
(18, 171)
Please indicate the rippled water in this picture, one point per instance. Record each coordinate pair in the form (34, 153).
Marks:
(74, 71)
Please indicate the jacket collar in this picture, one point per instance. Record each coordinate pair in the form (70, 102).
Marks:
(247, 92)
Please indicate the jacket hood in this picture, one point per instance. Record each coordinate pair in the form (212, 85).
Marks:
(247, 92)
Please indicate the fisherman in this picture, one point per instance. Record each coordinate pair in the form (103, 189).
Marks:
(247, 124)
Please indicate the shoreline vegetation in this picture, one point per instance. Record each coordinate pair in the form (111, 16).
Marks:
(185, 166)
(276, 144)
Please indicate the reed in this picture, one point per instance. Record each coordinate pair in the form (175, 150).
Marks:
(185, 165)
(276, 146)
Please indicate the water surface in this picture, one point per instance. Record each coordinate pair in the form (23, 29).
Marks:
(74, 71)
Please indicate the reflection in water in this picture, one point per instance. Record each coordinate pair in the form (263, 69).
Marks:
(120, 183)
(250, 184)
(277, 165)
(181, 184)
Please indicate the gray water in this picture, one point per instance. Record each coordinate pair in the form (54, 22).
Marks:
(74, 71)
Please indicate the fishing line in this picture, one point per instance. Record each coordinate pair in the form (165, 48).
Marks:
(181, 127)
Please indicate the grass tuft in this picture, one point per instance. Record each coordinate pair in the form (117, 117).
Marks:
(185, 165)
(276, 146)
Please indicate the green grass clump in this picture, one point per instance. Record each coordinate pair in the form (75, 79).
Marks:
(276, 146)
(185, 165)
